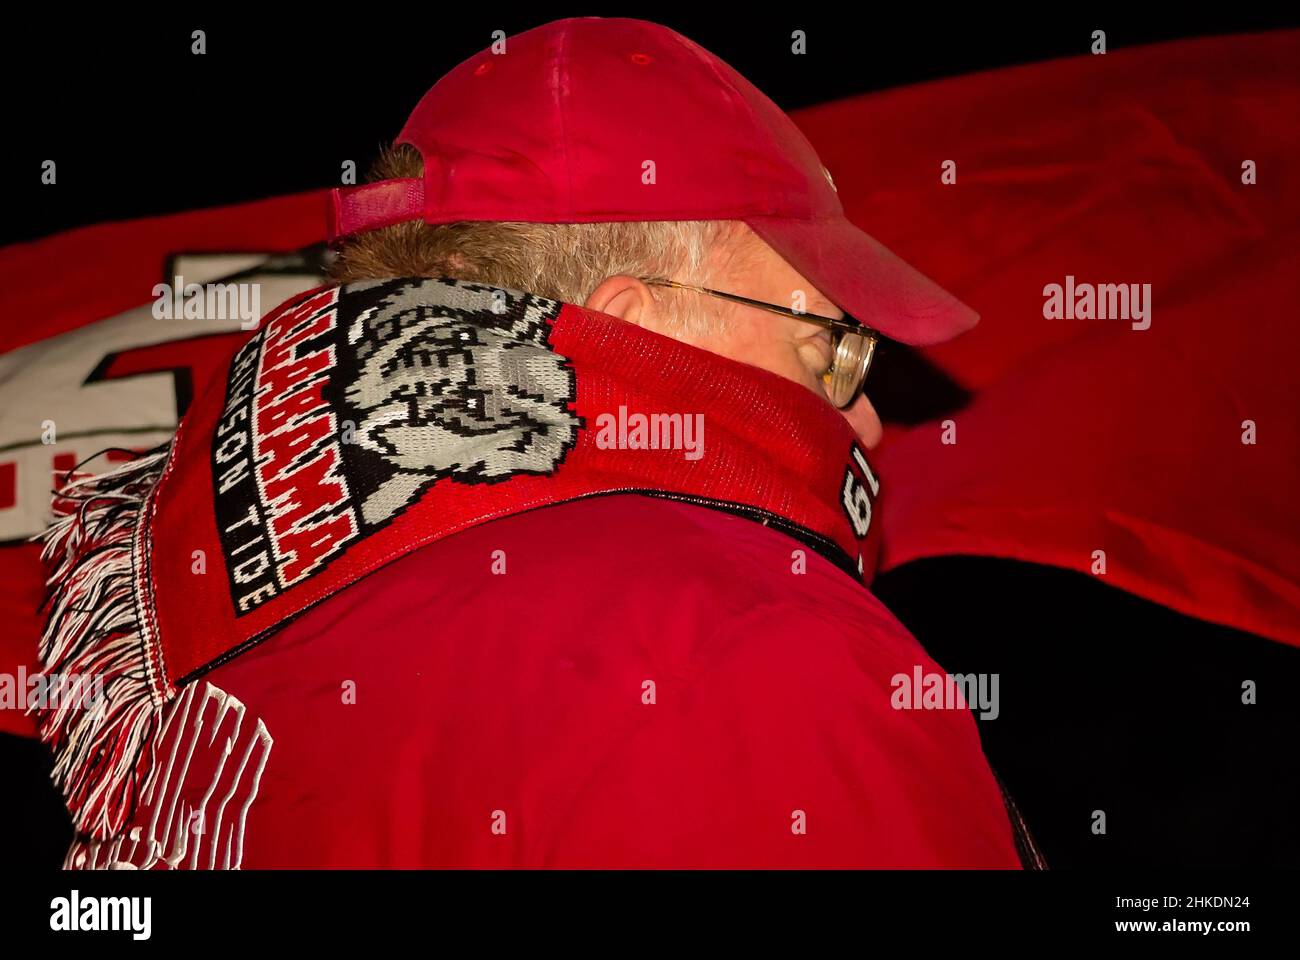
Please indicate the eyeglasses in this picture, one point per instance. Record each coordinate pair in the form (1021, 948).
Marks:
(853, 344)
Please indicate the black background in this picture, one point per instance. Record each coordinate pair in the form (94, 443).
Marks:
(1109, 702)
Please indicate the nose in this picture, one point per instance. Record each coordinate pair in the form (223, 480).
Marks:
(864, 420)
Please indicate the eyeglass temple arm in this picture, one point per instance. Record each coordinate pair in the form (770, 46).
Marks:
(831, 323)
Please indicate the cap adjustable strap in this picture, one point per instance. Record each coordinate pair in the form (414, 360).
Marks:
(373, 205)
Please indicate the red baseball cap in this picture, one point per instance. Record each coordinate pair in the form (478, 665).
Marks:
(593, 119)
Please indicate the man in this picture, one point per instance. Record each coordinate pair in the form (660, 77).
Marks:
(540, 540)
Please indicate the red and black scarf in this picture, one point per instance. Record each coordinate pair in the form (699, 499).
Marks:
(364, 422)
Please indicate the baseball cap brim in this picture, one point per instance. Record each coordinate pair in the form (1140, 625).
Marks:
(866, 280)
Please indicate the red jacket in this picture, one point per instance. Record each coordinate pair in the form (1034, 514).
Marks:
(458, 637)
(508, 724)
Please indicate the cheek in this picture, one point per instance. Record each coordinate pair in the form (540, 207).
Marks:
(789, 361)
(773, 349)
(742, 340)
(763, 344)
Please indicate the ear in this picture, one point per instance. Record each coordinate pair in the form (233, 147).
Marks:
(626, 298)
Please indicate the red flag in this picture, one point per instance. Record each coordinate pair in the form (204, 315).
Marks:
(1170, 444)
(86, 366)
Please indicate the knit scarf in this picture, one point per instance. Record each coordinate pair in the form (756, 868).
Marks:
(366, 421)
